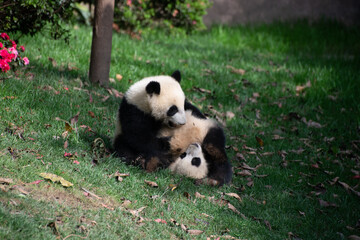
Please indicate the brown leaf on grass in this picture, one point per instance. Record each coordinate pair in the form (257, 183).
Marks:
(126, 203)
(230, 115)
(6, 181)
(267, 224)
(202, 90)
(277, 137)
(326, 204)
(250, 183)
(116, 93)
(158, 220)
(53, 62)
(260, 141)
(91, 114)
(198, 195)
(187, 195)
(244, 173)
(56, 178)
(235, 195)
(235, 70)
(300, 88)
(348, 188)
(118, 77)
(194, 232)
(66, 144)
(68, 128)
(136, 212)
(232, 208)
(151, 184)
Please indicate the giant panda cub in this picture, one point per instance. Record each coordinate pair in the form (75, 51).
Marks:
(191, 163)
(198, 148)
(148, 106)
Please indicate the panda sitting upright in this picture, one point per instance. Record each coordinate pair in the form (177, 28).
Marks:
(148, 106)
(198, 148)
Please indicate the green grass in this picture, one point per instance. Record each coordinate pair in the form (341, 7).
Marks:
(287, 185)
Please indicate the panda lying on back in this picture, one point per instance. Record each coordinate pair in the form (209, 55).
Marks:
(205, 159)
(148, 106)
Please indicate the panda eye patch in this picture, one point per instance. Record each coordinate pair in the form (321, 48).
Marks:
(172, 111)
(196, 161)
(183, 155)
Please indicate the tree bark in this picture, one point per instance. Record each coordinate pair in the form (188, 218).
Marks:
(101, 42)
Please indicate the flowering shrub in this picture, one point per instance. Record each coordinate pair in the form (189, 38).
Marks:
(32, 16)
(10, 54)
(174, 15)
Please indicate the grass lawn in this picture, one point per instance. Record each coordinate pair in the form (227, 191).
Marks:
(288, 94)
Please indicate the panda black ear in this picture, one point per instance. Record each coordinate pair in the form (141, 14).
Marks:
(177, 76)
(153, 87)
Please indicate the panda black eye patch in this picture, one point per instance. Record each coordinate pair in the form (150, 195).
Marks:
(196, 161)
(172, 111)
(183, 155)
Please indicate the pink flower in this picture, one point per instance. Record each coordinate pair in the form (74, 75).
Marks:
(4, 53)
(4, 36)
(13, 44)
(26, 60)
(128, 2)
(22, 48)
(193, 22)
(1, 45)
(4, 65)
(13, 51)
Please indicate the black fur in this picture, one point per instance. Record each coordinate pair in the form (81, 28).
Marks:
(153, 87)
(176, 75)
(138, 136)
(214, 152)
(194, 110)
(213, 147)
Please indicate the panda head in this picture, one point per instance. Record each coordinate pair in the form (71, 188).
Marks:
(166, 99)
(191, 163)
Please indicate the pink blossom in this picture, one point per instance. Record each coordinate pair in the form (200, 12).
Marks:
(13, 51)
(13, 43)
(1, 45)
(4, 36)
(66, 154)
(26, 60)
(76, 162)
(22, 48)
(4, 65)
(193, 22)
(129, 3)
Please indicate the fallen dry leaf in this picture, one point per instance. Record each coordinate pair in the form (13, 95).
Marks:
(158, 220)
(194, 232)
(198, 195)
(260, 141)
(235, 195)
(151, 184)
(354, 237)
(6, 181)
(235, 70)
(56, 178)
(326, 204)
(118, 77)
(244, 173)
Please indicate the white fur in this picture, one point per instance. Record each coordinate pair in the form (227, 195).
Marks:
(193, 131)
(183, 166)
(158, 105)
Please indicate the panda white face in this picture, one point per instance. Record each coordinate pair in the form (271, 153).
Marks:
(191, 163)
(166, 101)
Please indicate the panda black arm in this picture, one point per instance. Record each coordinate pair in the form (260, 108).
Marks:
(194, 110)
(139, 130)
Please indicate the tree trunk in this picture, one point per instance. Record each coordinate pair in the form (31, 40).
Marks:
(101, 42)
